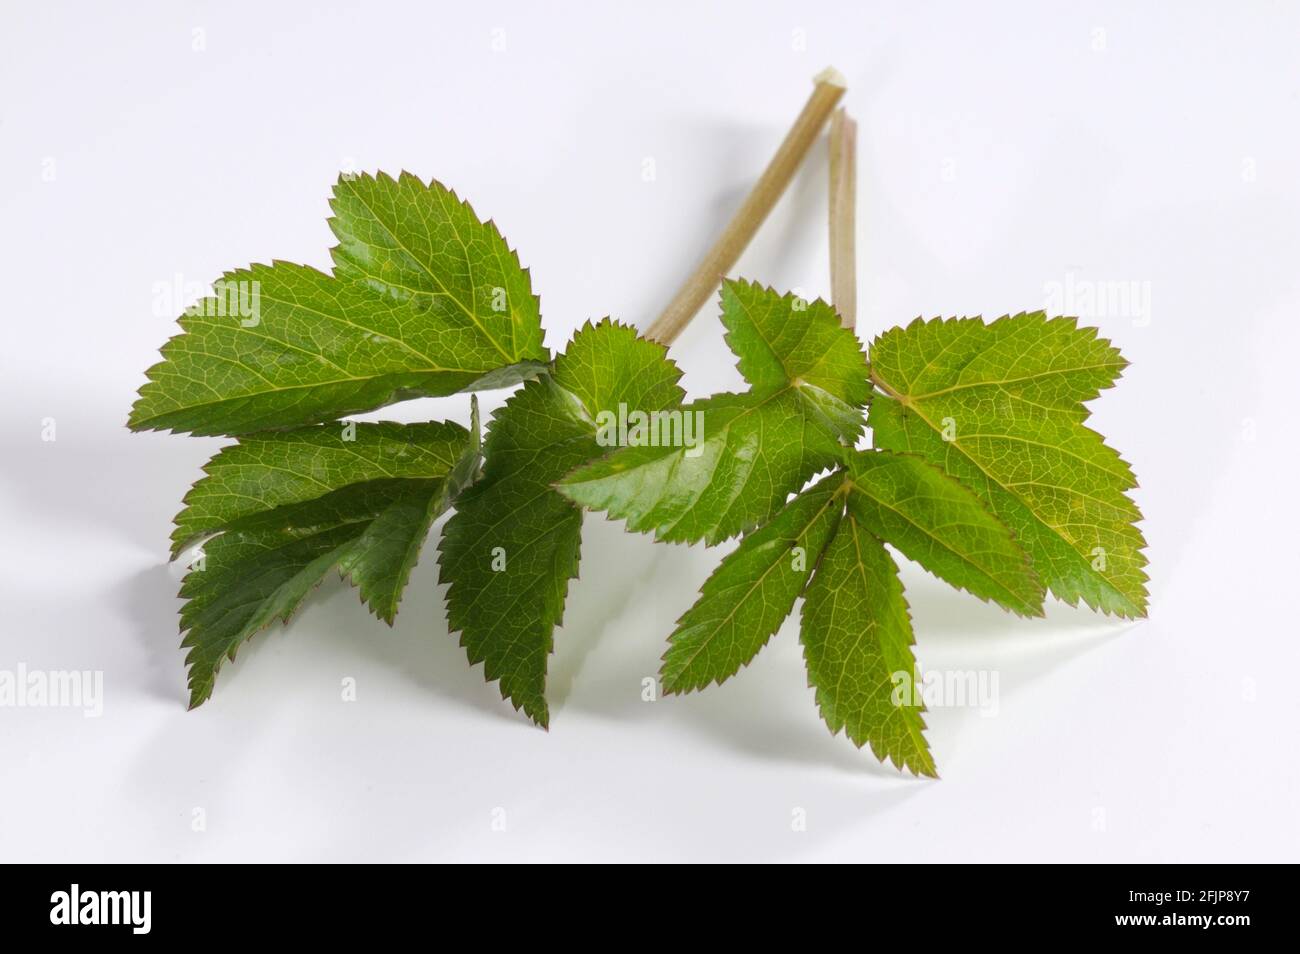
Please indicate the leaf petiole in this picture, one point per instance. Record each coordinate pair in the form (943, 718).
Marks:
(690, 298)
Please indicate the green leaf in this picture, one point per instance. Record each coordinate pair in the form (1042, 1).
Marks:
(263, 566)
(509, 551)
(1000, 408)
(426, 300)
(421, 243)
(784, 340)
(380, 563)
(750, 451)
(262, 472)
(941, 525)
(291, 507)
(751, 593)
(857, 640)
(381, 560)
(757, 449)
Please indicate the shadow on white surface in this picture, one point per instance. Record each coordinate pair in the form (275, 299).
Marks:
(148, 602)
(332, 626)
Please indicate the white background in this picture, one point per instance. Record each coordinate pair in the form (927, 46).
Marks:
(1003, 148)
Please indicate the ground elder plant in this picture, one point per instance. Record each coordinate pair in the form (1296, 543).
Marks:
(959, 444)
(424, 300)
(980, 469)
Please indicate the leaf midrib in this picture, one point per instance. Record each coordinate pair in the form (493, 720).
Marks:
(183, 408)
(970, 385)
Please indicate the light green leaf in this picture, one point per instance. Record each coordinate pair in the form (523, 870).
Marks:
(757, 449)
(511, 548)
(785, 340)
(751, 592)
(857, 640)
(265, 471)
(1000, 407)
(941, 525)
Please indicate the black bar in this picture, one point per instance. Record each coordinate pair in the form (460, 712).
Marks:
(298, 902)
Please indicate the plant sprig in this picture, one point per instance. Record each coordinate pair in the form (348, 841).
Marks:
(979, 467)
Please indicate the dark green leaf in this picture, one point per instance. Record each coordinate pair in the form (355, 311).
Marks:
(262, 472)
(511, 548)
(421, 243)
(262, 567)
